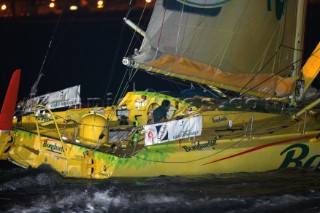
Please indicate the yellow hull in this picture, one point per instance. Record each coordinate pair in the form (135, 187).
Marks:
(186, 157)
(6, 143)
(79, 144)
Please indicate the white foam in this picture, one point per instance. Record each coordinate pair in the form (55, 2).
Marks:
(153, 199)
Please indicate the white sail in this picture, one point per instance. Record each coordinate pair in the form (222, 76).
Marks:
(241, 45)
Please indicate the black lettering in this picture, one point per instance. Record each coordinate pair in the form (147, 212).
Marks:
(290, 155)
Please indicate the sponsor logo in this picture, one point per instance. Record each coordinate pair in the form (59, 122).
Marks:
(185, 134)
(203, 3)
(296, 156)
(150, 135)
(218, 119)
(172, 130)
(52, 147)
(162, 131)
(210, 143)
(140, 104)
(156, 134)
(43, 118)
(202, 7)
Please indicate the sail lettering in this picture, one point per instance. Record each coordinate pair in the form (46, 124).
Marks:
(294, 159)
(279, 5)
(202, 7)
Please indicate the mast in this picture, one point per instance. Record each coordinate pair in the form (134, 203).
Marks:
(299, 38)
(298, 47)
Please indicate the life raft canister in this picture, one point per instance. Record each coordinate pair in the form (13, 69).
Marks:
(91, 129)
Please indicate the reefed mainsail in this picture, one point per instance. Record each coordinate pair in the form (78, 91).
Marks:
(247, 46)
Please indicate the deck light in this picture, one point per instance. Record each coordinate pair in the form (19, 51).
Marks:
(100, 4)
(3, 7)
(73, 7)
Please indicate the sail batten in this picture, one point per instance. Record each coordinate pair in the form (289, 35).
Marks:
(251, 42)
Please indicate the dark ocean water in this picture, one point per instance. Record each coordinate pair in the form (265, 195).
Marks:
(43, 190)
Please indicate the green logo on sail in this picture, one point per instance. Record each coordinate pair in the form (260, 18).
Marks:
(202, 7)
(203, 3)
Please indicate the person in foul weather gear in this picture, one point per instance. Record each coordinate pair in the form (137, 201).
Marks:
(160, 113)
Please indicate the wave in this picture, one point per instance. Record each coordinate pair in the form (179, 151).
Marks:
(43, 190)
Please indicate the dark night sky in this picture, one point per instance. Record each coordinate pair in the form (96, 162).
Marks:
(82, 52)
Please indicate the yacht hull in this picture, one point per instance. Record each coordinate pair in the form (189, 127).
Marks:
(180, 158)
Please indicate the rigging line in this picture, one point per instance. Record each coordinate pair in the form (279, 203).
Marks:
(133, 74)
(234, 30)
(179, 29)
(61, 38)
(283, 34)
(127, 84)
(292, 48)
(125, 87)
(169, 78)
(120, 86)
(40, 74)
(193, 35)
(148, 17)
(175, 80)
(161, 28)
(117, 53)
(297, 61)
(267, 79)
(113, 113)
(270, 59)
(275, 53)
(144, 25)
(130, 8)
(135, 32)
(211, 90)
(113, 67)
(124, 90)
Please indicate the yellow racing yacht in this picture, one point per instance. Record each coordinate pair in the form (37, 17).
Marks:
(266, 118)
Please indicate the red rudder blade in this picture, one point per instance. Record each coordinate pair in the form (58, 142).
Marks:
(10, 101)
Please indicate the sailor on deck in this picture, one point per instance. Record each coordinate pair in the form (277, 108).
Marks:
(160, 113)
